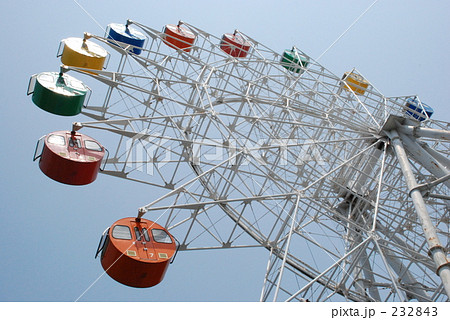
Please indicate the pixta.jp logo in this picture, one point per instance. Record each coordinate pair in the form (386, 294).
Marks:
(147, 151)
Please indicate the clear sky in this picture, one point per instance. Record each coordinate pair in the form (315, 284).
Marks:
(50, 231)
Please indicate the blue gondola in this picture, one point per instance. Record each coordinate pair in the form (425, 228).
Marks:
(125, 34)
(418, 110)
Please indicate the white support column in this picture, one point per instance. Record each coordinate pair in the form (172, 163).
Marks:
(292, 216)
(265, 290)
(437, 251)
(427, 160)
(438, 156)
(425, 132)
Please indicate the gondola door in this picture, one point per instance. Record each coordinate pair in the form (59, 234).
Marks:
(143, 244)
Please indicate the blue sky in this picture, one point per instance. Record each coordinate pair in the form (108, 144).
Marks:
(50, 231)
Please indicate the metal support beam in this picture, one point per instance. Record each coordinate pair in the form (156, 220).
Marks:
(334, 265)
(292, 215)
(433, 165)
(425, 132)
(445, 161)
(437, 251)
(414, 289)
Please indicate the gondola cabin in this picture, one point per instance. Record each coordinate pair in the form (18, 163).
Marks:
(235, 45)
(58, 93)
(355, 82)
(177, 37)
(136, 252)
(69, 157)
(418, 110)
(82, 53)
(294, 61)
(126, 37)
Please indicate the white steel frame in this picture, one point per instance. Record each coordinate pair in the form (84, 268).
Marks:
(345, 191)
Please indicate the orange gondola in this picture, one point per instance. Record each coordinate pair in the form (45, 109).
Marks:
(136, 252)
(179, 38)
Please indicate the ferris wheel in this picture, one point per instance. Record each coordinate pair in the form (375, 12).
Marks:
(346, 189)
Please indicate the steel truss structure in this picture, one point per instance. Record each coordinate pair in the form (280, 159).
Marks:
(348, 193)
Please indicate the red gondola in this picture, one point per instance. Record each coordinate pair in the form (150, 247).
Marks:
(136, 252)
(69, 157)
(235, 45)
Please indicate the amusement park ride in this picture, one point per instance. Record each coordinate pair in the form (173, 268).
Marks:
(346, 189)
